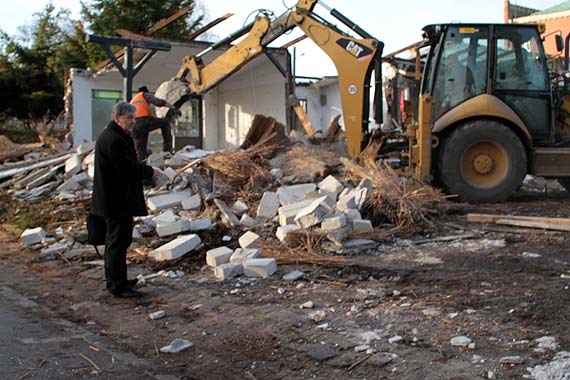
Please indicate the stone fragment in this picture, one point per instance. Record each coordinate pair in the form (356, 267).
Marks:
(177, 345)
(268, 205)
(200, 224)
(276, 173)
(352, 214)
(249, 240)
(239, 207)
(331, 185)
(333, 222)
(511, 360)
(157, 314)
(346, 202)
(218, 256)
(461, 341)
(311, 215)
(248, 221)
(228, 270)
(161, 202)
(177, 227)
(260, 267)
(282, 231)
(176, 248)
(396, 339)
(85, 148)
(288, 213)
(362, 225)
(293, 275)
(242, 254)
(165, 217)
(33, 236)
(192, 203)
(296, 193)
(72, 165)
(228, 217)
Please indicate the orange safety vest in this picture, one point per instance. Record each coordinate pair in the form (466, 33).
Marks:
(142, 106)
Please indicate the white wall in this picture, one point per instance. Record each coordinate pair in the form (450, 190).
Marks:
(321, 116)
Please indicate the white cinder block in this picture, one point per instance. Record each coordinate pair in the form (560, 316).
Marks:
(192, 203)
(346, 202)
(91, 170)
(333, 222)
(248, 221)
(170, 173)
(242, 254)
(200, 224)
(276, 173)
(85, 148)
(361, 225)
(218, 256)
(331, 185)
(176, 248)
(240, 207)
(296, 193)
(228, 270)
(260, 267)
(228, 217)
(161, 202)
(165, 217)
(177, 227)
(312, 215)
(72, 165)
(33, 236)
(88, 160)
(69, 185)
(352, 214)
(249, 240)
(268, 205)
(282, 231)
(288, 213)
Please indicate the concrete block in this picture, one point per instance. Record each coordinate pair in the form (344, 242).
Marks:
(85, 148)
(161, 202)
(249, 240)
(331, 185)
(362, 225)
(72, 165)
(218, 256)
(338, 236)
(44, 178)
(177, 227)
(82, 179)
(360, 195)
(268, 205)
(276, 173)
(354, 245)
(240, 207)
(296, 193)
(288, 213)
(192, 203)
(228, 270)
(330, 198)
(69, 185)
(346, 202)
(352, 214)
(260, 267)
(165, 217)
(228, 217)
(88, 160)
(282, 231)
(248, 221)
(176, 248)
(333, 222)
(33, 236)
(312, 214)
(200, 224)
(242, 254)
(91, 171)
(170, 173)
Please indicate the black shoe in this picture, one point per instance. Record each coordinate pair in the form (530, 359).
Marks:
(128, 293)
(132, 283)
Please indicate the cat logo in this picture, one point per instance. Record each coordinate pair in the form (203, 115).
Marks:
(357, 50)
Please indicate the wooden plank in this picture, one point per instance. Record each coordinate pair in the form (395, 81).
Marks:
(533, 224)
(296, 40)
(164, 22)
(493, 218)
(208, 26)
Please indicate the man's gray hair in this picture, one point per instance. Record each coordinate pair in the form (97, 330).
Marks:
(123, 108)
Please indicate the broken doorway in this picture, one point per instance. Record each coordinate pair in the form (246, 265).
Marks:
(187, 128)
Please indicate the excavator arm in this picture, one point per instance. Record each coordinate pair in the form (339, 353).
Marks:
(355, 59)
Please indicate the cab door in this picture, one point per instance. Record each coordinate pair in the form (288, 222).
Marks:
(520, 78)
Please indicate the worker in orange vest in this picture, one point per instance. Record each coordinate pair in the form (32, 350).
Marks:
(145, 122)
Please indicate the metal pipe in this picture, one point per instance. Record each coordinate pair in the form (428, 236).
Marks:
(225, 41)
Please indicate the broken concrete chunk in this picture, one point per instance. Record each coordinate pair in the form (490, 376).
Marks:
(33, 236)
(293, 275)
(249, 240)
(88, 160)
(228, 270)
(346, 202)
(312, 215)
(240, 207)
(192, 203)
(276, 173)
(218, 256)
(72, 165)
(333, 222)
(176, 248)
(260, 267)
(91, 171)
(85, 148)
(200, 224)
(242, 254)
(69, 185)
(296, 193)
(282, 231)
(248, 221)
(161, 202)
(365, 183)
(44, 178)
(172, 228)
(177, 345)
(228, 217)
(157, 314)
(268, 205)
(362, 225)
(331, 185)
(338, 236)
(352, 214)
(288, 213)
(165, 217)
(170, 173)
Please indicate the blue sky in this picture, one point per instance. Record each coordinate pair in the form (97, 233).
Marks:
(397, 27)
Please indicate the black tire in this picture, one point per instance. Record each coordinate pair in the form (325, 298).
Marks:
(481, 161)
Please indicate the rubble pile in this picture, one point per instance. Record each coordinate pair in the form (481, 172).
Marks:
(249, 209)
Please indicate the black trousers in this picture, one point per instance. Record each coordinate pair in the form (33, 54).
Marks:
(117, 240)
(145, 125)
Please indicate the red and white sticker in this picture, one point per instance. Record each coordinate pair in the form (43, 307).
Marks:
(352, 89)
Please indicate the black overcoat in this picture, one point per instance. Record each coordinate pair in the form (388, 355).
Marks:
(117, 185)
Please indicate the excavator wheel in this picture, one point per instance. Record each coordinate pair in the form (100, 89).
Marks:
(481, 161)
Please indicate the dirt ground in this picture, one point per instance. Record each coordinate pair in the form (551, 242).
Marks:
(503, 288)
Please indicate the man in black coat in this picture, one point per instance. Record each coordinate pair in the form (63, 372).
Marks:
(118, 195)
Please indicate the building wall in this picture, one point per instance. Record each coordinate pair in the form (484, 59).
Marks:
(555, 23)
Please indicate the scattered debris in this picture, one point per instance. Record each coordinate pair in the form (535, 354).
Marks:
(177, 345)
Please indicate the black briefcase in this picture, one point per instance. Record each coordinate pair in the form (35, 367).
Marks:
(96, 230)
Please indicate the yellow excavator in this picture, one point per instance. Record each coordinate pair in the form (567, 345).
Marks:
(487, 112)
